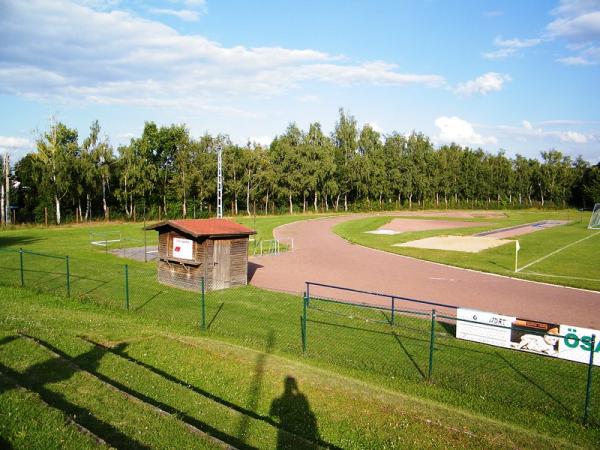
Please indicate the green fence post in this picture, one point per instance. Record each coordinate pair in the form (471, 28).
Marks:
(203, 300)
(127, 287)
(393, 307)
(304, 313)
(68, 277)
(21, 267)
(431, 344)
(588, 387)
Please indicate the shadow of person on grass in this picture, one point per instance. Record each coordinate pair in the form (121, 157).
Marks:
(294, 415)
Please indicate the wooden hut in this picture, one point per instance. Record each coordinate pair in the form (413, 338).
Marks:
(189, 249)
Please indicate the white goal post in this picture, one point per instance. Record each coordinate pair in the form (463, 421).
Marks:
(595, 219)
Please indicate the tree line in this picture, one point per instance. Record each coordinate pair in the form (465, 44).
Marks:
(169, 174)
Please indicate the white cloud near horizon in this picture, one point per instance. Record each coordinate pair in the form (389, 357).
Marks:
(13, 142)
(486, 83)
(528, 131)
(263, 141)
(16, 146)
(459, 131)
(66, 52)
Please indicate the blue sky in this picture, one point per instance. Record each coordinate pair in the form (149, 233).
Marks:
(518, 76)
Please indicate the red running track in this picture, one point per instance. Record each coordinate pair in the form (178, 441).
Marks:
(321, 256)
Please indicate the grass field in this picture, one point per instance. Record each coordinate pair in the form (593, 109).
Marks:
(576, 266)
(84, 357)
(363, 380)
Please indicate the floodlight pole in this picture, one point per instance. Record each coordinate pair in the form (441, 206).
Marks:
(219, 182)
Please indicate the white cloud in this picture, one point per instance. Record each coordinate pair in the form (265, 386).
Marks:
(186, 15)
(578, 22)
(575, 7)
(12, 142)
(459, 131)
(529, 131)
(569, 122)
(500, 53)
(574, 61)
(99, 4)
(573, 136)
(489, 82)
(195, 3)
(588, 56)
(493, 13)
(510, 47)
(65, 52)
(375, 127)
(263, 141)
(516, 42)
(309, 98)
(581, 27)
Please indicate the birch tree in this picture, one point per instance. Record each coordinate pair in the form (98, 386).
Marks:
(57, 149)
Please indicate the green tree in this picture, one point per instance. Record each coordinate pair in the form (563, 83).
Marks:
(57, 150)
(345, 139)
(285, 156)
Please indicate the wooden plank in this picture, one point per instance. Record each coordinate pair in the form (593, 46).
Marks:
(222, 264)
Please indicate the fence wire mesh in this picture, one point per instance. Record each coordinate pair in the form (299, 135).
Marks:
(530, 385)
(381, 334)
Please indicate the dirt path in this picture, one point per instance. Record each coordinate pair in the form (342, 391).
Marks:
(322, 256)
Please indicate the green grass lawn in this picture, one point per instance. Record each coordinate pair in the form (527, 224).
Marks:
(224, 380)
(576, 266)
(85, 356)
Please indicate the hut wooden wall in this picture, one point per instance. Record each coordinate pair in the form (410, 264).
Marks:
(188, 276)
(184, 276)
(239, 261)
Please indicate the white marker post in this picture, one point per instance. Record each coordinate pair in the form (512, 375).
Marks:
(517, 248)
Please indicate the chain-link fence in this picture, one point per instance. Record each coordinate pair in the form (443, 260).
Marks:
(401, 343)
(399, 339)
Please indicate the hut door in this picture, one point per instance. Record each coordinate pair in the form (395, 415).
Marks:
(222, 270)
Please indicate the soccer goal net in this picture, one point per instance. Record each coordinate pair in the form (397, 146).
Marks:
(595, 219)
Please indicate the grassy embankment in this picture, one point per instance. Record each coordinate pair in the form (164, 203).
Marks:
(86, 357)
(576, 266)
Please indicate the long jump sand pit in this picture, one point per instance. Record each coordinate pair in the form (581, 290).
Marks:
(469, 244)
(397, 226)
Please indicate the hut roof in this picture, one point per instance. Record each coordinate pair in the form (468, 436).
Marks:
(205, 227)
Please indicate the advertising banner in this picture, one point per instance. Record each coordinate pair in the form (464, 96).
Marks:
(183, 248)
(556, 340)
(577, 342)
(475, 326)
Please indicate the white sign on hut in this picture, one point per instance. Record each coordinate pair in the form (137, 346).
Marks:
(189, 249)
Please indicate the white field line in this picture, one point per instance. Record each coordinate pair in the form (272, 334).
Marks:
(105, 242)
(560, 276)
(556, 251)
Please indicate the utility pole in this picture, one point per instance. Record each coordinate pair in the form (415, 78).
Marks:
(219, 182)
(7, 218)
(2, 208)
